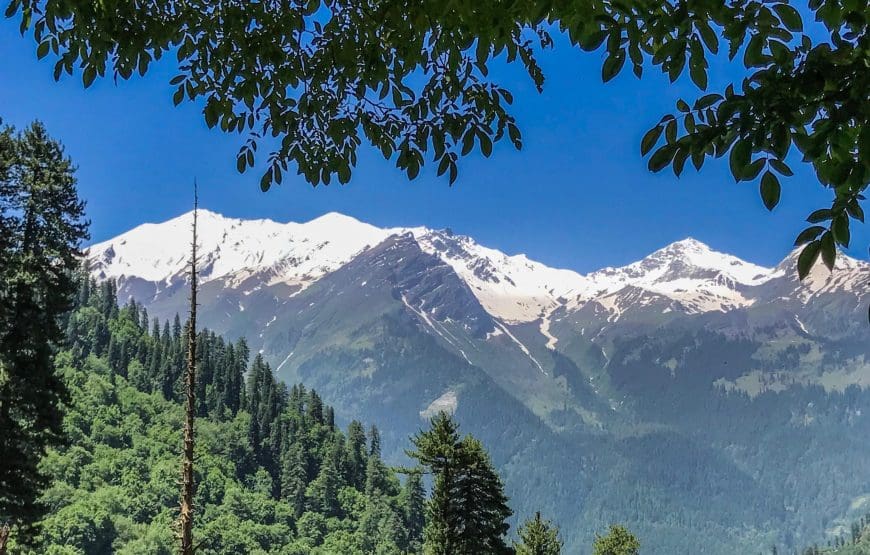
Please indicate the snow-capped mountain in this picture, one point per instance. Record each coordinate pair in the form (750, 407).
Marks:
(686, 276)
(621, 376)
(292, 253)
(511, 288)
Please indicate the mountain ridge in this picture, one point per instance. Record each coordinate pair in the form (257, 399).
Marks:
(620, 377)
(513, 288)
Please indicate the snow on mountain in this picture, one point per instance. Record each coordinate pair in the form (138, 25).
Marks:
(686, 271)
(512, 288)
(849, 276)
(293, 253)
(688, 275)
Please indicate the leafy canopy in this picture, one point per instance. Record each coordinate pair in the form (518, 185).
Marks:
(313, 79)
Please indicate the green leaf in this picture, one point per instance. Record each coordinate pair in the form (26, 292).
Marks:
(739, 158)
(12, 8)
(752, 57)
(840, 228)
(781, 167)
(612, 66)
(855, 211)
(751, 171)
(515, 137)
(707, 100)
(42, 50)
(241, 162)
(698, 74)
(789, 16)
(178, 96)
(683, 106)
(266, 180)
(671, 131)
(89, 75)
(770, 190)
(467, 142)
(662, 158)
(807, 258)
(809, 234)
(828, 249)
(708, 36)
(485, 144)
(650, 139)
(443, 165)
(820, 215)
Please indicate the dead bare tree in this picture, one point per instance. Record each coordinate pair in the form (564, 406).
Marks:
(185, 518)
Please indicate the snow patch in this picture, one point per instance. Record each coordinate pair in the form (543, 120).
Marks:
(447, 402)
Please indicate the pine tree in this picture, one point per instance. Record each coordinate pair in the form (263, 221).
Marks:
(618, 541)
(468, 508)
(42, 221)
(538, 537)
(414, 504)
(483, 508)
(437, 450)
(293, 478)
(322, 493)
(356, 454)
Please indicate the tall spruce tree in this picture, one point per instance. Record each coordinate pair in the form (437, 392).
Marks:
(468, 508)
(538, 537)
(42, 225)
(414, 504)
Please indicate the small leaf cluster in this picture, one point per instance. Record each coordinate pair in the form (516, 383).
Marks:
(813, 95)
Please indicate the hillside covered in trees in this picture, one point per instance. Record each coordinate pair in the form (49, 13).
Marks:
(274, 472)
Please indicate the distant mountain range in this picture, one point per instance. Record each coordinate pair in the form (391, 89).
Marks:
(700, 398)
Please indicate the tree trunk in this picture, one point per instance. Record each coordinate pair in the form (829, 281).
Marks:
(4, 537)
(187, 486)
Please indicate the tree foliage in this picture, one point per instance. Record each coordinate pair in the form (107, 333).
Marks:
(41, 228)
(617, 541)
(272, 476)
(314, 79)
(468, 508)
(538, 537)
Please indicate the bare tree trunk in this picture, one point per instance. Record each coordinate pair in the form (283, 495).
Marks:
(187, 486)
(4, 537)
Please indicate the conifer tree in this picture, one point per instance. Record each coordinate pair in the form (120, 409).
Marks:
(468, 509)
(293, 478)
(356, 454)
(42, 225)
(483, 508)
(538, 537)
(414, 504)
(618, 541)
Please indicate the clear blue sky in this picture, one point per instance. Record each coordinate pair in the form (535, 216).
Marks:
(578, 195)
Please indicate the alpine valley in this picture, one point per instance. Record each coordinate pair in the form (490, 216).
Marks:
(712, 405)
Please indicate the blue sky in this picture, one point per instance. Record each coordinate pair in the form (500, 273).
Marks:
(578, 195)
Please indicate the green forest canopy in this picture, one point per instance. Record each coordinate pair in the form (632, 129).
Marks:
(274, 472)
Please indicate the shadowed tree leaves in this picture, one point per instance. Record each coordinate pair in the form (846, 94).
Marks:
(313, 80)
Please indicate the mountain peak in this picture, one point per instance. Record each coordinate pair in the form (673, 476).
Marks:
(334, 218)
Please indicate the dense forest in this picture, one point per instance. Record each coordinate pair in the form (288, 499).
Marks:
(274, 472)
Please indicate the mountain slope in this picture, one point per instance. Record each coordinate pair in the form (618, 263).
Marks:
(634, 394)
